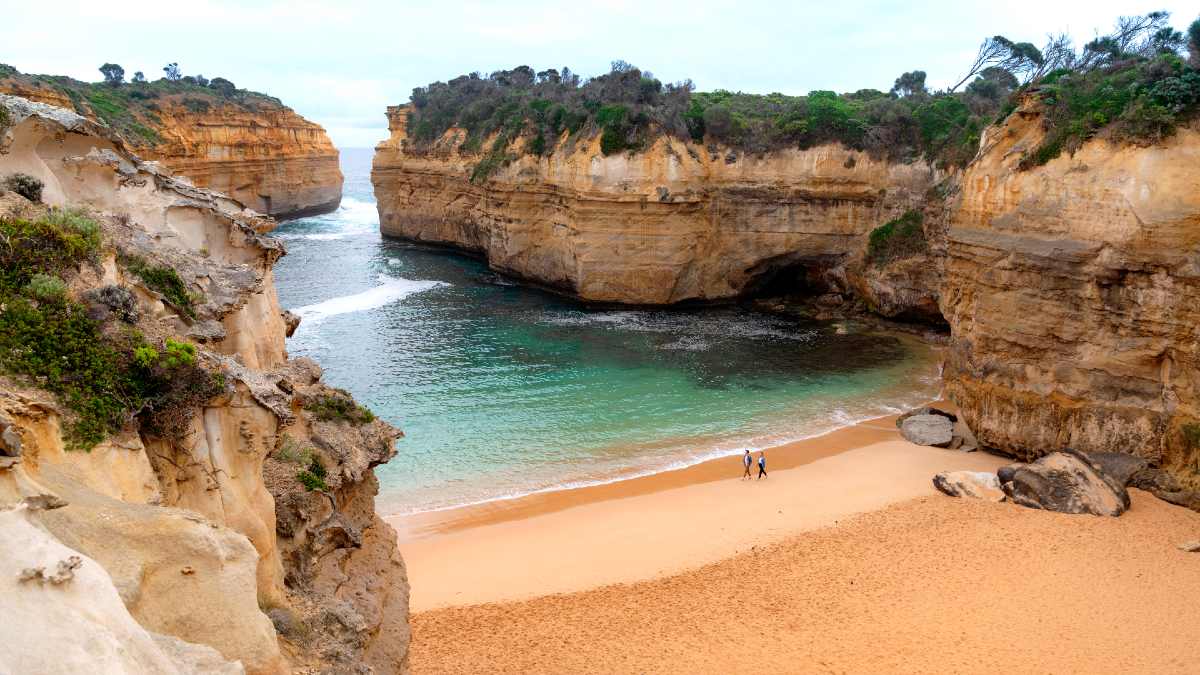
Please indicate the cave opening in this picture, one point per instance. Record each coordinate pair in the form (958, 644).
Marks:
(790, 276)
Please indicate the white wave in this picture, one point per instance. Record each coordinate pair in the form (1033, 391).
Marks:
(694, 325)
(388, 291)
(352, 219)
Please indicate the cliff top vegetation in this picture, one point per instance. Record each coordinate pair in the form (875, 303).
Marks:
(133, 108)
(1134, 83)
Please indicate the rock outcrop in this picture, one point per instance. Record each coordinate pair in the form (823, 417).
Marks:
(1064, 482)
(933, 430)
(972, 484)
(250, 147)
(676, 222)
(184, 528)
(1073, 295)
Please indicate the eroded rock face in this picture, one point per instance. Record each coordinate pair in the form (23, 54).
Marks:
(677, 222)
(1073, 293)
(268, 158)
(186, 526)
(1065, 482)
(77, 622)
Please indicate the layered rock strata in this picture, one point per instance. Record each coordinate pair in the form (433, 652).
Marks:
(196, 534)
(257, 151)
(1073, 295)
(674, 223)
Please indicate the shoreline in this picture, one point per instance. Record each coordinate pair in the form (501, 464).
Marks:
(784, 454)
(666, 523)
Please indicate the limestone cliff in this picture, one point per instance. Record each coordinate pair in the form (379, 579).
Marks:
(226, 548)
(248, 146)
(676, 222)
(1073, 294)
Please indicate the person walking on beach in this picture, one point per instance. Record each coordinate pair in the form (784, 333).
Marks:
(747, 460)
(762, 464)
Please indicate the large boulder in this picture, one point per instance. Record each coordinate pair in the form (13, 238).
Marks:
(1119, 466)
(924, 410)
(1165, 486)
(934, 430)
(1066, 482)
(974, 484)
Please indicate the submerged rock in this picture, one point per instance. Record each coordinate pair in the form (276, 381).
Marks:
(1065, 482)
(974, 484)
(934, 430)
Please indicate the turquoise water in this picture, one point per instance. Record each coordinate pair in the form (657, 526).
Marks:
(502, 390)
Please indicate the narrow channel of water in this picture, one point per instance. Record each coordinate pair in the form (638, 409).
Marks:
(503, 390)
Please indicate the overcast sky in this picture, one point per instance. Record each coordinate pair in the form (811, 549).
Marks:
(341, 63)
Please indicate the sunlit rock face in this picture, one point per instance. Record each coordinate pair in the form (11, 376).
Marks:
(677, 222)
(1073, 294)
(260, 152)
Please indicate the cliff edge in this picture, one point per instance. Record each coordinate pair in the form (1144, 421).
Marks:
(243, 144)
(676, 222)
(185, 494)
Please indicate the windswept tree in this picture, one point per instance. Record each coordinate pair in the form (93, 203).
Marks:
(1144, 36)
(1018, 58)
(139, 77)
(114, 74)
(172, 73)
(910, 84)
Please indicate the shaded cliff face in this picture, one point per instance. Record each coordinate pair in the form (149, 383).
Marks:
(185, 528)
(677, 222)
(249, 147)
(1073, 292)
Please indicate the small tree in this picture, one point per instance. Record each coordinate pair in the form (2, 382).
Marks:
(222, 86)
(114, 75)
(910, 84)
(202, 80)
(171, 70)
(139, 78)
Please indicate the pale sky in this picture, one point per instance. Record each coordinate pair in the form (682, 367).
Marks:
(341, 63)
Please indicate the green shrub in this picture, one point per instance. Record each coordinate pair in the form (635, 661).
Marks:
(338, 407)
(1140, 101)
(313, 478)
(46, 287)
(165, 280)
(5, 119)
(105, 378)
(25, 185)
(55, 244)
(896, 239)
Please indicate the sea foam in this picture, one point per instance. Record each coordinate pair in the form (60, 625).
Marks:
(388, 291)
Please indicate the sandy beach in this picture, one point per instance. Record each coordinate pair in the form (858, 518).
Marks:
(844, 560)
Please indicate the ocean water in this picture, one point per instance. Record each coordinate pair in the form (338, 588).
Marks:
(503, 390)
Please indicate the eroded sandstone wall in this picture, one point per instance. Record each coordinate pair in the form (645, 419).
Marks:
(187, 528)
(1073, 293)
(677, 222)
(263, 155)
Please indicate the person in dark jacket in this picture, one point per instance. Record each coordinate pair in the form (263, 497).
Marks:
(762, 464)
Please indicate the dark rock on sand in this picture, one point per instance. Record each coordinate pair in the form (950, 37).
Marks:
(1065, 482)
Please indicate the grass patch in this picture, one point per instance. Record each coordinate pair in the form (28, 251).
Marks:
(164, 280)
(338, 407)
(896, 239)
